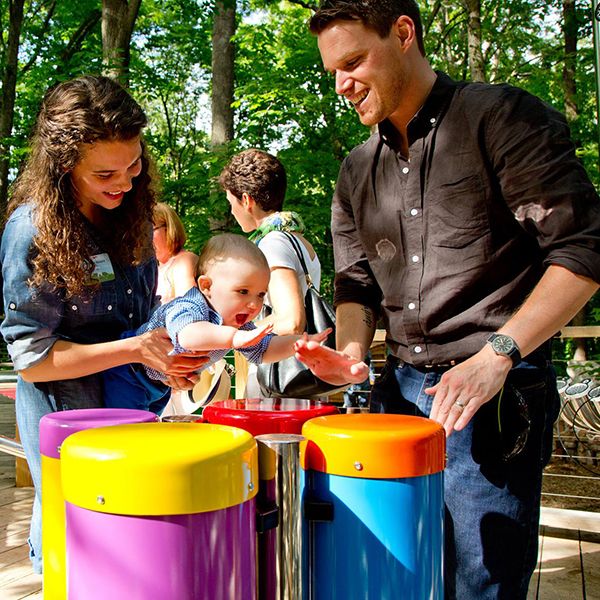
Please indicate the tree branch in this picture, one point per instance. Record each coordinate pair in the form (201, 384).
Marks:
(43, 31)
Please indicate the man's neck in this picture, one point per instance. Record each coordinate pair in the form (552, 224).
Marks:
(420, 89)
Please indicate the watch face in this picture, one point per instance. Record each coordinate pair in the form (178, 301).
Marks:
(503, 344)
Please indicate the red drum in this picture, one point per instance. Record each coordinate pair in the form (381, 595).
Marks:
(261, 416)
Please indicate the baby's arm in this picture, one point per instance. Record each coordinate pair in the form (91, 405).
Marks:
(282, 346)
(203, 335)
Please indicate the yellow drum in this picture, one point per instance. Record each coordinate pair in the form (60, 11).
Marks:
(54, 429)
(161, 511)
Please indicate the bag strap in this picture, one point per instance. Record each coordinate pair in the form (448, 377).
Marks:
(296, 245)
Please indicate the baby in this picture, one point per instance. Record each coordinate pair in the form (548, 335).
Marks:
(233, 277)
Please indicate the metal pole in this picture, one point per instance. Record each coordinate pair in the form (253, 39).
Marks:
(9, 446)
(596, 29)
(280, 549)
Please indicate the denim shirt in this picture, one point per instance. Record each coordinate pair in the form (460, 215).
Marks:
(36, 317)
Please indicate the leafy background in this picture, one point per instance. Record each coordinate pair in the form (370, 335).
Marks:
(283, 101)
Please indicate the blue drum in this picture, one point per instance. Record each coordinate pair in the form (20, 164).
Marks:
(374, 508)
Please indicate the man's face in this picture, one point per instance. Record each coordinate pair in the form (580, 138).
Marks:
(370, 72)
(240, 212)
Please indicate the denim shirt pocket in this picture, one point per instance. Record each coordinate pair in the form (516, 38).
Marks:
(100, 305)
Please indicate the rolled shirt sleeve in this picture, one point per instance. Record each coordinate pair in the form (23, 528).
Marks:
(544, 183)
(354, 280)
(31, 315)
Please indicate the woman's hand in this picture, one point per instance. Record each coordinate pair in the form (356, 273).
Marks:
(182, 383)
(155, 348)
(330, 365)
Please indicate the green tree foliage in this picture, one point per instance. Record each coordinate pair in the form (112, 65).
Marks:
(284, 101)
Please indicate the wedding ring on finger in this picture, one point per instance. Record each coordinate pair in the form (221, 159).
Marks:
(460, 405)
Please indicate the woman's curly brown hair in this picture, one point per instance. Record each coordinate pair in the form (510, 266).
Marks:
(75, 113)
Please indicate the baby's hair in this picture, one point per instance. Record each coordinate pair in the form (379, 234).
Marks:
(229, 245)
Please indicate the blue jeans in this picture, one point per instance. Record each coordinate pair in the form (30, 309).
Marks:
(34, 400)
(492, 504)
(128, 386)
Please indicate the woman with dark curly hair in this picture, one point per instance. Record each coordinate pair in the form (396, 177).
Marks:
(77, 260)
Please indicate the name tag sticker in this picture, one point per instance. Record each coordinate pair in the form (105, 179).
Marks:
(103, 269)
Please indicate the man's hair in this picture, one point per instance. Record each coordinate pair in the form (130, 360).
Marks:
(165, 216)
(230, 245)
(378, 15)
(258, 174)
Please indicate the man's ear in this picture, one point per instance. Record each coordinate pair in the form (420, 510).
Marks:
(404, 30)
(248, 202)
(204, 283)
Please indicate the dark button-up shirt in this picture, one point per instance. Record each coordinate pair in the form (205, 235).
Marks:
(448, 242)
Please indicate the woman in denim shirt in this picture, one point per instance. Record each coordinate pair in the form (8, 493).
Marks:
(77, 260)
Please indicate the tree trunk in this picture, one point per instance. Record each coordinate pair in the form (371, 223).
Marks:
(570, 61)
(118, 20)
(476, 62)
(222, 72)
(570, 30)
(9, 85)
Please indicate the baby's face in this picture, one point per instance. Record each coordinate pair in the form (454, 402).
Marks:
(237, 289)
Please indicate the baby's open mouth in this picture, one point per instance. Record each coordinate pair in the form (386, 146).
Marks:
(241, 318)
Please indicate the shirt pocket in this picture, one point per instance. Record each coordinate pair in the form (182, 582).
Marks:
(459, 217)
(98, 305)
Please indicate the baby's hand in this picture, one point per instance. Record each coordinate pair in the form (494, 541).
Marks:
(319, 337)
(243, 339)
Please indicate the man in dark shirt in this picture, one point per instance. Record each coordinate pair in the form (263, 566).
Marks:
(468, 225)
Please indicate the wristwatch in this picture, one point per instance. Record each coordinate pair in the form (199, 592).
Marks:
(505, 345)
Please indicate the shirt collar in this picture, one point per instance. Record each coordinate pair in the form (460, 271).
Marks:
(428, 115)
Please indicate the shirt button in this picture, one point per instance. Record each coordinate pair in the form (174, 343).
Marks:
(73, 307)
(414, 258)
(12, 305)
(412, 306)
(129, 291)
(130, 315)
(414, 212)
(418, 349)
(432, 120)
(405, 170)
(109, 307)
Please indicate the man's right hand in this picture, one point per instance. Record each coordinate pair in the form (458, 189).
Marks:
(330, 365)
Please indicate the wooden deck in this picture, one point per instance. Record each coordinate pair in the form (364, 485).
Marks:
(16, 577)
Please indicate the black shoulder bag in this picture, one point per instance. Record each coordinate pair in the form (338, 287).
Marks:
(289, 378)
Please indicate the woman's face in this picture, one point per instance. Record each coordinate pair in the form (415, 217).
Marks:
(105, 174)
(161, 246)
(241, 214)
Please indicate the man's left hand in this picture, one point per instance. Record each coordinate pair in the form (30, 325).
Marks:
(466, 387)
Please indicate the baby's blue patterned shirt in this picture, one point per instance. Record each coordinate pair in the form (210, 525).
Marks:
(191, 308)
